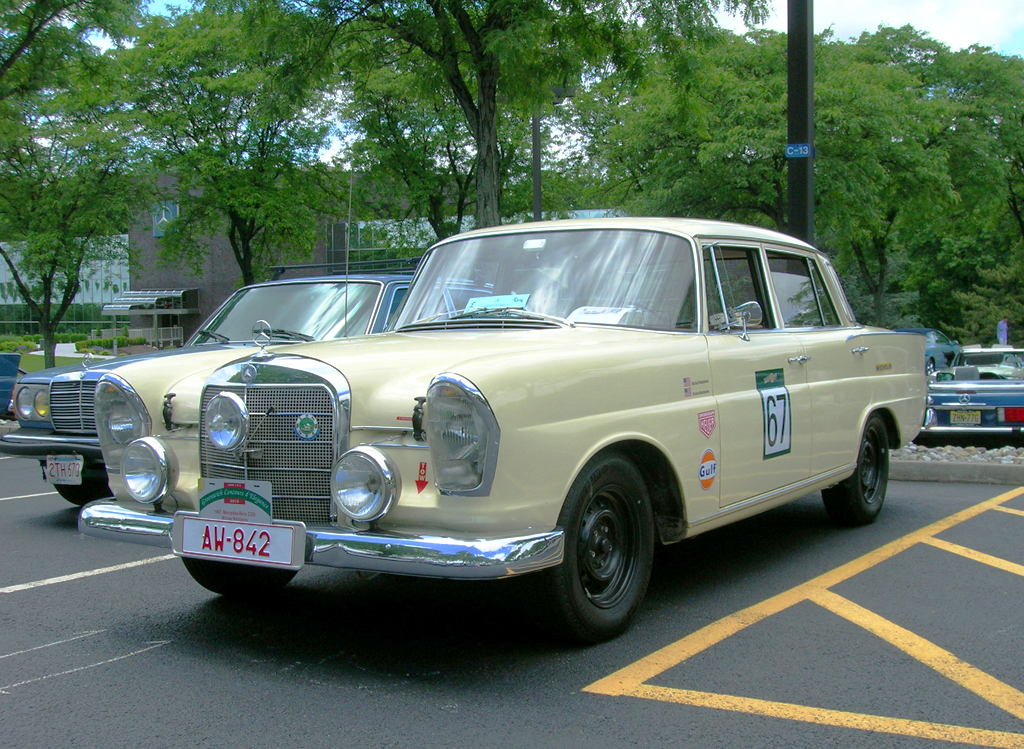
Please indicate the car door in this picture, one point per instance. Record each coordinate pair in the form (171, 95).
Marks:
(760, 386)
(834, 365)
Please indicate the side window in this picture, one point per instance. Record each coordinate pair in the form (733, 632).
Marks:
(828, 309)
(733, 278)
(802, 296)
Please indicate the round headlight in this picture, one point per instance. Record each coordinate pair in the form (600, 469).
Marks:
(226, 420)
(41, 404)
(364, 484)
(23, 403)
(147, 470)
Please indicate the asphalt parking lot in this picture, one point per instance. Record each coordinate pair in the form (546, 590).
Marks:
(778, 631)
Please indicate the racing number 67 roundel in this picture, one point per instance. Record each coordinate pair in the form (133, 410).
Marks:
(776, 412)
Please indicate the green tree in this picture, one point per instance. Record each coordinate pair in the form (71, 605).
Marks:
(40, 38)
(70, 184)
(493, 54)
(410, 150)
(242, 142)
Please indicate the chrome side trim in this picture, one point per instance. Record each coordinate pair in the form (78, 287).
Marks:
(376, 551)
(973, 429)
(867, 333)
(768, 497)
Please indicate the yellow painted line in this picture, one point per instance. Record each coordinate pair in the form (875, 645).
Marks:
(630, 680)
(674, 654)
(1010, 510)
(836, 718)
(987, 687)
(976, 556)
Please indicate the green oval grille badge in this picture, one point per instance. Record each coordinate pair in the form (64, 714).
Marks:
(306, 427)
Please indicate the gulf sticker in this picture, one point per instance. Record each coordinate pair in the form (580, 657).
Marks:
(708, 469)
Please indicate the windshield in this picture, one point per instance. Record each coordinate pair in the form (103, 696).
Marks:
(606, 277)
(320, 311)
(992, 359)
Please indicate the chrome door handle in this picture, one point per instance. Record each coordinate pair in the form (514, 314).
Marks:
(798, 359)
(860, 350)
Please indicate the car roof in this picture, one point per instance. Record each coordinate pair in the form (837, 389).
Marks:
(685, 226)
(338, 278)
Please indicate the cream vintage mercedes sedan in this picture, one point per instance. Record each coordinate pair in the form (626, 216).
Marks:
(554, 399)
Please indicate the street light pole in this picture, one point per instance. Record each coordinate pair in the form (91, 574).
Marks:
(800, 141)
(536, 166)
(559, 94)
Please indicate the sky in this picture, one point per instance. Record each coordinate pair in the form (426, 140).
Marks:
(998, 24)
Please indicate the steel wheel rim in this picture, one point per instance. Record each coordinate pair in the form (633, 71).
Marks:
(870, 466)
(607, 547)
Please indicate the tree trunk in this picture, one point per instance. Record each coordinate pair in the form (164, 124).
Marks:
(488, 158)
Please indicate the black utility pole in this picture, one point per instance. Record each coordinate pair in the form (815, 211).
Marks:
(800, 142)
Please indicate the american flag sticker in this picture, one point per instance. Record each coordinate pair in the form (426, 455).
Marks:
(706, 421)
(687, 389)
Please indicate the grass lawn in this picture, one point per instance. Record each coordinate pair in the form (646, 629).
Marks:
(33, 363)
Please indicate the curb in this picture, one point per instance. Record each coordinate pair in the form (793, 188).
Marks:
(946, 471)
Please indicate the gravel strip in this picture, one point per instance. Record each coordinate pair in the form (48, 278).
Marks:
(955, 454)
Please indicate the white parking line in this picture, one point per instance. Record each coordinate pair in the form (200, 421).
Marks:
(28, 496)
(87, 573)
(152, 646)
(51, 644)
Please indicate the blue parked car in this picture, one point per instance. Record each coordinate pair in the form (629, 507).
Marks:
(8, 376)
(982, 393)
(940, 351)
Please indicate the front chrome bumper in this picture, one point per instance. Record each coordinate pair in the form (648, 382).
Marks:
(38, 443)
(377, 551)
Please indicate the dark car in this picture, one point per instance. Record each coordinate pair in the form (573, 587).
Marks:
(8, 376)
(940, 350)
(54, 407)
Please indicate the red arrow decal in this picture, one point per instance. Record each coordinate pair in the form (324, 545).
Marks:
(420, 486)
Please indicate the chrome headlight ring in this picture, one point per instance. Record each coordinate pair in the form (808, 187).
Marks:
(121, 415)
(463, 435)
(149, 470)
(227, 420)
(364, 484)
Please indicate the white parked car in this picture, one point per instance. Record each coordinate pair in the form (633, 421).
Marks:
(554, 399)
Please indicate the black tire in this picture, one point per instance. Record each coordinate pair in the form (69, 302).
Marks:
(84, 493)
(859, 499)
(236, 580)
(609, 548)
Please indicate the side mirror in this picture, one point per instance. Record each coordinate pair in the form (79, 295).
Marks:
(748, 313)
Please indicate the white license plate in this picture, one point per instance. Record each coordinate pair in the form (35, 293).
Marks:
(64, 469)
(277, 545)
(965, 417)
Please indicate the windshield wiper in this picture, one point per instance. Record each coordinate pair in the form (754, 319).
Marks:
(215, 335)
(290, 335)
(519, 312)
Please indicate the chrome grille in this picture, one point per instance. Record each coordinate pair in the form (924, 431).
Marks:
(71, 406)
(299, 471)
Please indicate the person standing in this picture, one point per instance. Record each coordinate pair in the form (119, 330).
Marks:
(1003, 331)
